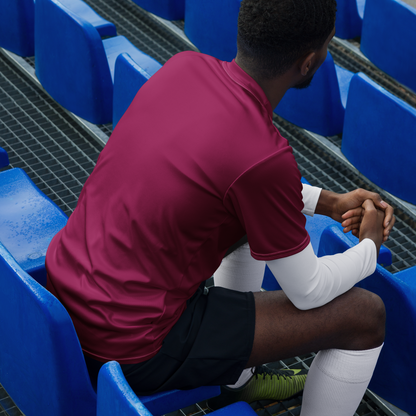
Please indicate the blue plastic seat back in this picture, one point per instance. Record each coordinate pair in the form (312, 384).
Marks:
(17, 19)
(28, 221)
(41, 363)
(168, 9)
(4, 158)
(115, 397)
(393, 378)
(212, 26)
(378, 137)
(129, 77)
(82, 9)
(349, 18)
(320, 107)
(71, 62)
(388, 38)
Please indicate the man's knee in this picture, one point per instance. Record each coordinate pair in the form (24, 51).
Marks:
(371, 315)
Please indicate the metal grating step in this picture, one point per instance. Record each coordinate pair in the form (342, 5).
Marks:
(41, 138)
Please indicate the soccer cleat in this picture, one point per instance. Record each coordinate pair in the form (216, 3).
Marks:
(266, 384)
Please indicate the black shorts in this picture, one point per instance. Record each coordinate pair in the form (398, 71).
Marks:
(209, 345)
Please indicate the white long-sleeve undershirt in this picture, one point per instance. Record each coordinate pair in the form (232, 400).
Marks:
(310, 281)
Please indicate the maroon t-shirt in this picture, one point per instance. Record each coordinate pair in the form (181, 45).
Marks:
(193, 165)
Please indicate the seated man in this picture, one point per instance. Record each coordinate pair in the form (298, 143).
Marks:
(193, 166)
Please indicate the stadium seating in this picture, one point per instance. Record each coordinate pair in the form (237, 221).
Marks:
(128, 79)
(115, 397)
(319, 108)
(212, 26)
(17, 19)
(73, 63)
(349, 19)
(378, 137)
(393, 378)
(41, 362)
(28, 220)
(388, 38)
(168, 9)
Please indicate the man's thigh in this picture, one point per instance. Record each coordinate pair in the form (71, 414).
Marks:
(209, 345)
(354, 321)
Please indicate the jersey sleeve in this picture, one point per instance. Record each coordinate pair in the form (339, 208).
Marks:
(267, 199)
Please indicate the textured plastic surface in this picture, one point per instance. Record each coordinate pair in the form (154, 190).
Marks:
(379, 137)
(115, 397)
(4, 158)
(129, 77)
(349, 19)
(72, 62)
(28, 221)
(388, 38)
(168, 9)
(17, 19)
(319, 108)
(41, 362)
(393, 379)
(82, 9)
(212, 26)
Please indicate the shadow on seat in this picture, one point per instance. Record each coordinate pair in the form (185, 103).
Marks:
(349, 19)
(393, 377)
(168, 9)
(28, 220)
(378, 137)
(129, 77)
(17, 18)
(115, 397)
(73, 63)
(319, 108)
(212, 26)
(388, 38)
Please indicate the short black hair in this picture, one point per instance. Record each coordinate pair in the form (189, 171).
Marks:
(273, 34)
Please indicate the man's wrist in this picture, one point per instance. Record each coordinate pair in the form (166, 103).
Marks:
(326, 203)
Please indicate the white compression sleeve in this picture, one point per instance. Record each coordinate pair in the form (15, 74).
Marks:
(310, 282)
(310, 196)
(337, 381)
(239, 271)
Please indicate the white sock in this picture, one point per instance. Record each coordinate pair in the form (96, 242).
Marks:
(337, 382)
(244, 377)
(239, 271)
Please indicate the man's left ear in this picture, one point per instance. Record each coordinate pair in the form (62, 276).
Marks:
(306, 64)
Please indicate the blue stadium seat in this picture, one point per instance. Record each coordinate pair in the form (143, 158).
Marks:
(28, 221)
(388, 38)
(315, 226)
(4, 158)
(41, 363)
(17, 18)
(349, 19)
(168, 9)
(212, 26)
(393, 378)
(115, 397)
(319, 108)
(378, 137)
(73, 63)
(129, 77)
